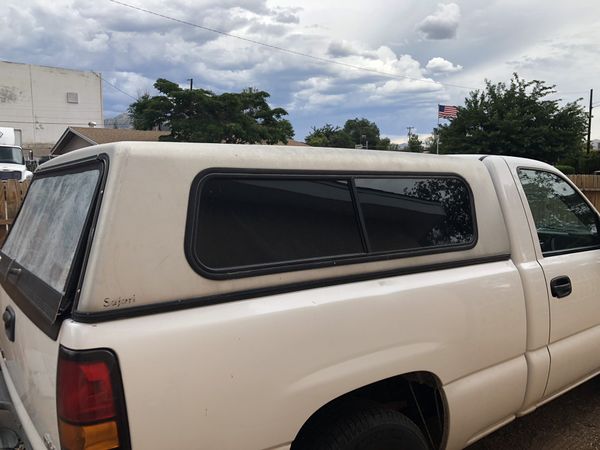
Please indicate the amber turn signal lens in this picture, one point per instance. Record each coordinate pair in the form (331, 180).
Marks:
(102, 436)
(90, 402)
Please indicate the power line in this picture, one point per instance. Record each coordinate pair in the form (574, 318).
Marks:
(287, 50)
(115, 87)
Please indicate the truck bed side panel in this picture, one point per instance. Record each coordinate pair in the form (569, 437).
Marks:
(248, 374)
(31, 366)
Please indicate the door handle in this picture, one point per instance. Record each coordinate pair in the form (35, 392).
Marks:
(561, 286)
(9, 323)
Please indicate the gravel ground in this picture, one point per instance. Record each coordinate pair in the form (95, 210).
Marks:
(570, 422)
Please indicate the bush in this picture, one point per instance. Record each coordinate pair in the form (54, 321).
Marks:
(588, 162)
(581, 162)
(567, 170)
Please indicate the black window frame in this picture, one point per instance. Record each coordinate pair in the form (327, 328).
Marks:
(551, 253)
(24, 287)
(191, 235)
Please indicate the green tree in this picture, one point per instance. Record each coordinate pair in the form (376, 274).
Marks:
(414, 144)
(329, 136)
(385, 144)
(516, 119)
(355, 132)
(430, 144)
(200, 115)
(363, 132)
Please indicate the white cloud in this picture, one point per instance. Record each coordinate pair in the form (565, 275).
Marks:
(346, 87)
(287, 15)
(341, 49)
(133, 48)
(442, 24)
(133, 83)
(539, 39)
(439, 65)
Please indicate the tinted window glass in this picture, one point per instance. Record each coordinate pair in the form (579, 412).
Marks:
(45, 235)
(248, 221)
(562, 218)
(414, 213)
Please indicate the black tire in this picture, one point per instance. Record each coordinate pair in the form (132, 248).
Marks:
(369, 429)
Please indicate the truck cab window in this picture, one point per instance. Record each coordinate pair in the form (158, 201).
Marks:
(563, 220)
(11, 155)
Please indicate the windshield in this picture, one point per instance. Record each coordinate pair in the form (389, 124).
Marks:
(11, 155)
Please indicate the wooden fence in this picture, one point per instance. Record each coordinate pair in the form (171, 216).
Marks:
(590, 186)
(12, 193)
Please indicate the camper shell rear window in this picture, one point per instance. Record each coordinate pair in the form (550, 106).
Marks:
(41, 254)
(244, 224)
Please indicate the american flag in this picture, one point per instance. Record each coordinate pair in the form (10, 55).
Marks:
(447, 111)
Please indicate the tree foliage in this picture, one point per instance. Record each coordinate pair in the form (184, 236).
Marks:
(329, 136)
(516, 119)
(414, 144)
(200, 115)
(363, 131)
(430, 143)
(581, 163)
(355, 132)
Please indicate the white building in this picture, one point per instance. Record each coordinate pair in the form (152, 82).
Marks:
(43, 101)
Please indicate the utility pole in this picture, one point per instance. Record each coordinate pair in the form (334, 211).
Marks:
(191, 80)
(590, 121)
(437, 133)
(410, 131)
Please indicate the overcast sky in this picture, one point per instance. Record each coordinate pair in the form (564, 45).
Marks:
(438, 46)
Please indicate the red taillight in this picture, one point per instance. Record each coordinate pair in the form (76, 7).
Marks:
(90, 403)
(85, 392)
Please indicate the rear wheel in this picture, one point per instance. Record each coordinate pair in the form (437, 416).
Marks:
(370, 429)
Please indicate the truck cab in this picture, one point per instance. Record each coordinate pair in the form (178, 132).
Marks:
(12, 161)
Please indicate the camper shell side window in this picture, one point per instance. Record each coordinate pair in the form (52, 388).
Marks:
(253, 223)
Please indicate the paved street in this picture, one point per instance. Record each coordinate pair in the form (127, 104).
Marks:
(571, 422)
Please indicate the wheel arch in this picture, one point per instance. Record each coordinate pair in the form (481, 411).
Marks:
(419, 395)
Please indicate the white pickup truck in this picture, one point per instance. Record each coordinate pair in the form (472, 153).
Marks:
(207, 296)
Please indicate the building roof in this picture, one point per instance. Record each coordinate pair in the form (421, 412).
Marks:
(106, 135)
(294, 143)
(95, 136)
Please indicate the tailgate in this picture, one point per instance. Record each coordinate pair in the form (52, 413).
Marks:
(40, 270)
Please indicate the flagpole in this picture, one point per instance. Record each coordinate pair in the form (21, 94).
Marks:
(437, 132)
